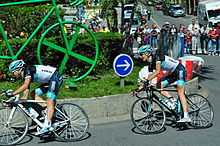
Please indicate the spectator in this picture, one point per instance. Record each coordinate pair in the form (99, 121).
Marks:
(204, 39)
(164, 37)
(194, 29)
(154, 36)
(188, 42)
(147, 35)
(213, 35)
(173, 42)
(163, 46)
(218, 39)
(181, 41)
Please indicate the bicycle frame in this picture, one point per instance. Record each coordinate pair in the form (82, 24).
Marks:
(54, 8)
(39, 123)
(151, 91)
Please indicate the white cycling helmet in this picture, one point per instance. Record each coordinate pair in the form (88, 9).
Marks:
(15, 65)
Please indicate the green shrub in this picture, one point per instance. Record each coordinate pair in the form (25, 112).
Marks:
(110, 47)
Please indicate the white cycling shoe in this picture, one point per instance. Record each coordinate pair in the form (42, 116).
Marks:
(44, 130)
(185, 120)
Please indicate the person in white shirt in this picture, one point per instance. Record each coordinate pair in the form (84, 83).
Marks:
(194, 30)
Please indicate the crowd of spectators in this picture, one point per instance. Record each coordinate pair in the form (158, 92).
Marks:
(176, 41)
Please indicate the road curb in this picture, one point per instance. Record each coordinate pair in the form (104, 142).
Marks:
(113, 108)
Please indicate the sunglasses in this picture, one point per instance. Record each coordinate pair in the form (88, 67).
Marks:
(147, 54)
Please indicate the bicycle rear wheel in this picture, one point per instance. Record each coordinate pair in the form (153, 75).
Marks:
(148, 116)
(74, 50)
(200, 111)
(77, 125)
(13, 130)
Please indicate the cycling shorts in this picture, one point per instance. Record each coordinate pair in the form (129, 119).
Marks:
(178, 76)
(51, 88)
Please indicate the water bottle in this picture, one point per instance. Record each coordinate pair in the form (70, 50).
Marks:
(169, 103)
(33, 113)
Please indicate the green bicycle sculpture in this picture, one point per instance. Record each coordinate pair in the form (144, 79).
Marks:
(57, 46)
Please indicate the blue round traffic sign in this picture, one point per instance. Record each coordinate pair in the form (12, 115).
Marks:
(123, 65)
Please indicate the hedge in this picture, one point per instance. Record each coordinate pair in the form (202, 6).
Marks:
(109, 43)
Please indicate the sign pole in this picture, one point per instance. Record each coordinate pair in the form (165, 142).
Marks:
(122, 82)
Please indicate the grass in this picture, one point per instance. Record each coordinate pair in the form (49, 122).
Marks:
(108, 84)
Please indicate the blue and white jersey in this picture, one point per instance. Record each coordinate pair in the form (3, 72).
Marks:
(39, 73)
(169, 64)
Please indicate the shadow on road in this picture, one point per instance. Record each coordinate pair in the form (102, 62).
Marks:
(137, 131)
(171, 122)
(206, 73)
(48, 139)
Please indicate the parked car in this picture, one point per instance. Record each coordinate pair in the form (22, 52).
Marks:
(176, 11)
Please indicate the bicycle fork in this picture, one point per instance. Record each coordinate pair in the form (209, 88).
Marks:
(11, 116)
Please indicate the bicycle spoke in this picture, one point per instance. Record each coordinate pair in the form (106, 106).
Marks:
(146, 117)
(200, 111)
(77, 123)
(52, 45)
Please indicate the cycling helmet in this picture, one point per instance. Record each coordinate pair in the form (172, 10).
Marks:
(15, 65)
(146, 49)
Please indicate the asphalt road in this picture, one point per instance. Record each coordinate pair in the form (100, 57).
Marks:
(124, 134)
(160, 19)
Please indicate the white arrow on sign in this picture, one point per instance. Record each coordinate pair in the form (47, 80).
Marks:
(126, 65)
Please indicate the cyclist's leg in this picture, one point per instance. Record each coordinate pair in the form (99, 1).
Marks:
(54, 85)
(38, 92)
(180, 74)
(164, 83)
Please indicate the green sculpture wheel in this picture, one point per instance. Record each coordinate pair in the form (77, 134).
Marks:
(71, 47)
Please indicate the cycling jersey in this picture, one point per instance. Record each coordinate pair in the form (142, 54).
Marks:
(48, 76)
(169, 64)
(173, 66)
(39, 73)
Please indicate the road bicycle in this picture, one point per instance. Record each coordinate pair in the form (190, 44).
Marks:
(149, 113)
(70, 122)
(56, 46)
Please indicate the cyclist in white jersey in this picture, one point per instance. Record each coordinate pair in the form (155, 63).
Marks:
(175, 73)
(50, 81)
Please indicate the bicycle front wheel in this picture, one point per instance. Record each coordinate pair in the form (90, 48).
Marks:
(77, 124)
(200, 111)
(71, 47)
(13, 125)
(148, 116)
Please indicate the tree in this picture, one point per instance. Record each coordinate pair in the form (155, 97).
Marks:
(108, 10)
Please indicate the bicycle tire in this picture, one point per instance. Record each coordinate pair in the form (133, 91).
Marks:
(77, 126)
(14, 132)
(153, 118)
(65, 50)
(200, 111)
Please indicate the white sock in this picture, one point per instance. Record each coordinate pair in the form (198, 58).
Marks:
(186, 115)
(47, 123)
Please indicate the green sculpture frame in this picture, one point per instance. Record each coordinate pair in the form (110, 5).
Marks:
(69, 43)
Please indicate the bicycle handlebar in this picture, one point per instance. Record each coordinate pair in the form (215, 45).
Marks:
(147, 86)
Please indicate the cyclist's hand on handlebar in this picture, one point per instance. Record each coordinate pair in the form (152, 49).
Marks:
(9, 93)
(134, 93)
(146, 82)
